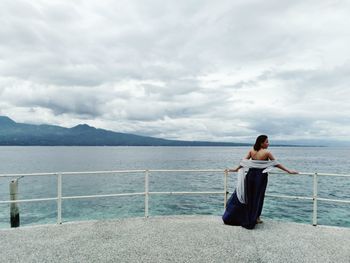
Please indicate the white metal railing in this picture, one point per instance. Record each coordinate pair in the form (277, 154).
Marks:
(147, 193)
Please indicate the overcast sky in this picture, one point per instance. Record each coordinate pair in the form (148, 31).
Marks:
(184, 69)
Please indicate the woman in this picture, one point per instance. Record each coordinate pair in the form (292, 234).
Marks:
(245, 205)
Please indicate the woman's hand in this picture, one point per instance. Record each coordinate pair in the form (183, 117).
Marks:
(293, 172)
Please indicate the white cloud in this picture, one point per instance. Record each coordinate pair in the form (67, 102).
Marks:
(194, 70)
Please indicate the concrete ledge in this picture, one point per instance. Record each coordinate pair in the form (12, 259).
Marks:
(174, 239)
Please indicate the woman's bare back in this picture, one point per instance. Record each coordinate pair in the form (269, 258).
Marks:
(262, 154)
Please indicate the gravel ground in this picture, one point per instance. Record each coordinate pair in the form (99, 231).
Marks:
(174, 239)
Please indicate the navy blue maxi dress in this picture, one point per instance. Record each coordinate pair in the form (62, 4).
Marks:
(245, 215)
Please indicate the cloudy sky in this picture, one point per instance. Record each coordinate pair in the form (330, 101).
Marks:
(187, 69)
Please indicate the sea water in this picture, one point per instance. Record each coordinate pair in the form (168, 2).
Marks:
(70, 159)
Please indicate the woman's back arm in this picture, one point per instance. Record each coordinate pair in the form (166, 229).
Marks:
(280, 166)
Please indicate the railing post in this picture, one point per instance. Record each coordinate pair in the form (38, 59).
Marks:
(146, 192)
(314, 217)
(59, 198)
(225, 188)
(14, 210)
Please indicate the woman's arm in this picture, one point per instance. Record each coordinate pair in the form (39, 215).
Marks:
(280, 166)
(240, 166)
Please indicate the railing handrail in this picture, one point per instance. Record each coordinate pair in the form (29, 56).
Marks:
(159, 170)
(146, 192)
(111, 172)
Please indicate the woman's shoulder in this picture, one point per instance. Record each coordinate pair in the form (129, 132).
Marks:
(252, 152)
(266, 152)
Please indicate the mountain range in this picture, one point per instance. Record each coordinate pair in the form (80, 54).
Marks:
(13, 133)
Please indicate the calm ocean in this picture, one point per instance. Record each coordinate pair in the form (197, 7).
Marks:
(69, 159)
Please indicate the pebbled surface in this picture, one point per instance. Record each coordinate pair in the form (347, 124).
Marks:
(174, 239)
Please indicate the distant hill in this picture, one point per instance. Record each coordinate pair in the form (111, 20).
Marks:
(13, 133)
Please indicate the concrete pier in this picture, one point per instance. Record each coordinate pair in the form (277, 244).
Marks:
(174, 239)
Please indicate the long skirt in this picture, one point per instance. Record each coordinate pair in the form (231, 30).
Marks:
(245, 215)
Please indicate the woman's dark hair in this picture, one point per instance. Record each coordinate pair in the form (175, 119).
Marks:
(259, 141)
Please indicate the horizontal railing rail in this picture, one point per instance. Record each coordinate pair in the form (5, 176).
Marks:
(146, 193)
